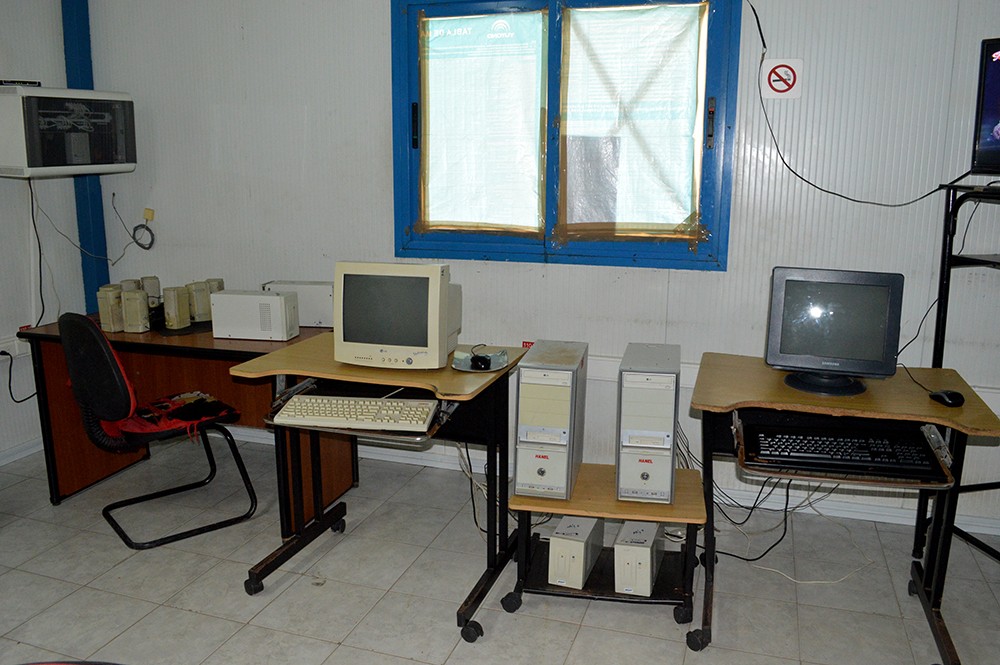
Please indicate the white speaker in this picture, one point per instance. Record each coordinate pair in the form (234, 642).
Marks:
(135, 311)
(176, 308)
(198, 299)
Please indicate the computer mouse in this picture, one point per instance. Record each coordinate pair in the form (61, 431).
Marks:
(948, 397)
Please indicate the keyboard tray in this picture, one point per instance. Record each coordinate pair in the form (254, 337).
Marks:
(925, 470)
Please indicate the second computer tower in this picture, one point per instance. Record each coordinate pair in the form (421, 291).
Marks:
(648, 380)
(551, 384)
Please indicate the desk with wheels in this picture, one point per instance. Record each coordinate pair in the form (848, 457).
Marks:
(161, 364)
(478, 406)
(595, 494)
(727, 384)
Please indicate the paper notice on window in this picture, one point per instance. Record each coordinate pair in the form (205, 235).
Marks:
(482, 81)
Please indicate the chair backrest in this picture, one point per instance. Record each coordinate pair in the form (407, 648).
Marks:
(95, 373)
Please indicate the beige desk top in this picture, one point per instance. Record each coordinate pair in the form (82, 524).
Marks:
(595, 494)
(314, 358)
(728, 382)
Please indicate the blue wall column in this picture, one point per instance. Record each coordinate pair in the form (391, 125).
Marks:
(89, 202)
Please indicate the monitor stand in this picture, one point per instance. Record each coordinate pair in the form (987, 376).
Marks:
(825, 384)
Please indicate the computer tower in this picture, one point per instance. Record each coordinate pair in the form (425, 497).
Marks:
(551, 392)
(648, 380)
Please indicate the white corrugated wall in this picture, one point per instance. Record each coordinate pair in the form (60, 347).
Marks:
(264, 147)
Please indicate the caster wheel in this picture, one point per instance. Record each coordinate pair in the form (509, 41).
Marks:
(472, 631)
(696, 640)
(339, 527)
(683, 614)
(252, 587)
(511, 602)
(911, 588)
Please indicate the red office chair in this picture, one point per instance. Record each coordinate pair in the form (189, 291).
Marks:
(115, 423)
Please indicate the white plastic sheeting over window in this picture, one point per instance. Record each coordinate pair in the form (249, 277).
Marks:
(482, 86)
(633, 82)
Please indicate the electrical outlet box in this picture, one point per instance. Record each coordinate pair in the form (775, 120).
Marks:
(15, 347)
(148, 214)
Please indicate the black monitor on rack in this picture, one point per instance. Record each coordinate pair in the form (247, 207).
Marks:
(986, 142)
(833, 327)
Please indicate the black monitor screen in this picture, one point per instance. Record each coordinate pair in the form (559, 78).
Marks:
(831, 326)
(986, 145)
(382, 309)
(831, 320)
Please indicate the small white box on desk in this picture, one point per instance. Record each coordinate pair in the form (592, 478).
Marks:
(255, 315)
(573, 550)
(315, 300)
(636, 558)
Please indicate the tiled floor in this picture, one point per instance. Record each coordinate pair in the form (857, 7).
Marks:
(386, 592)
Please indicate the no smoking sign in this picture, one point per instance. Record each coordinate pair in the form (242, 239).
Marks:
(781, 79)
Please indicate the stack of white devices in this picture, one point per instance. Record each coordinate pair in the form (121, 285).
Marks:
(255, 315)
(573, 550)
(647, 420)
(551, 384)
(315, 300)
(637, 558)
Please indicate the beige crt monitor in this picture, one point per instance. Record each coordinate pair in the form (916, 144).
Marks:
(399, 315)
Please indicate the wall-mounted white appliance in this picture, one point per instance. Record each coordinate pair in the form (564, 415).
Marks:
(56, 132)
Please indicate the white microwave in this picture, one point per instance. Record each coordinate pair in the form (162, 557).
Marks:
(56, 132)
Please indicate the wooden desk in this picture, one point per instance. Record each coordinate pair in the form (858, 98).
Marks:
(313, 357)
(158, 365)
(481, 418)
(595, 494)
(727, 383)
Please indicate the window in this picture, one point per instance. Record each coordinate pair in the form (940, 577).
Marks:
(564, 132)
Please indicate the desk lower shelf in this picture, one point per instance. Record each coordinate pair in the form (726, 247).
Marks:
(667, 589)
(595, 495)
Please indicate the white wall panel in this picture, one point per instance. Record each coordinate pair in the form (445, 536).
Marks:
(265, 148)
(31, 49)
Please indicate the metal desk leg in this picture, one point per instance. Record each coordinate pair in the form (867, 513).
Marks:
(921, 524)
(526, 542)
(301, 535)
(685, 612)
(496, 513)
(927, 580)
(699, 638)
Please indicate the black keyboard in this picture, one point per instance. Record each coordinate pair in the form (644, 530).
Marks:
(892, 455)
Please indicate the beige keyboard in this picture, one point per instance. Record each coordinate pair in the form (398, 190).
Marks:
(406, 415)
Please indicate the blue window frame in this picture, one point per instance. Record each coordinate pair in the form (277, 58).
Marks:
(700, 242)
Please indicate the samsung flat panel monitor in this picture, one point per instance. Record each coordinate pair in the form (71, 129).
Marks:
(986, 142)
(398, 315)
(831, 328)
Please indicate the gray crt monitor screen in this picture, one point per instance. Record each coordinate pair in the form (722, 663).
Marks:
(390, 310)
(832, 320)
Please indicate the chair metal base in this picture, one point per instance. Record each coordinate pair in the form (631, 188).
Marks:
(203, 432)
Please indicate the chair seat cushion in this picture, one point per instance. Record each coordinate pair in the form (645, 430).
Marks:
(171, 416)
